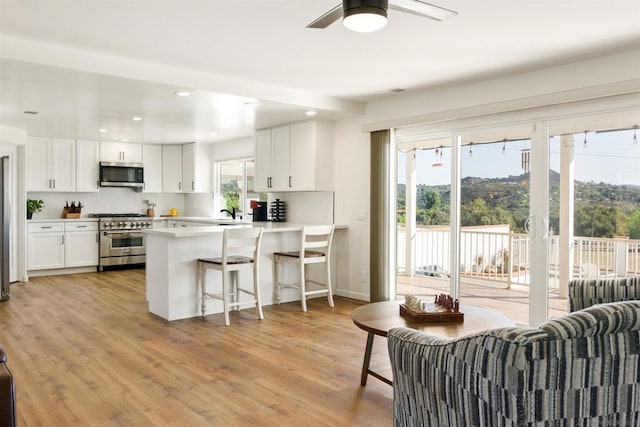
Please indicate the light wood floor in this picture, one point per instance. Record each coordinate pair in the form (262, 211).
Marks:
(85, 351)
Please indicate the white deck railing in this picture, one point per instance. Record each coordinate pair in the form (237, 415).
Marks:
(496, 254)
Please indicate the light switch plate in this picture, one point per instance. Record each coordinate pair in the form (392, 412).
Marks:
(361, 214)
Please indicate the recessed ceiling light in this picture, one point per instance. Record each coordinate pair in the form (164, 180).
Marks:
(124, 140)
(30, 112)
(198, 137)
(102, 130)
(136, 118)
(310, 113)
(212, 134)
(251, 104)
(182, 93)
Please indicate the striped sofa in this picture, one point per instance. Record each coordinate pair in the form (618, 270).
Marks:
(584, 293)
(582, 369)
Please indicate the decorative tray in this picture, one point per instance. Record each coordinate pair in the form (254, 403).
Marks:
(443, 309)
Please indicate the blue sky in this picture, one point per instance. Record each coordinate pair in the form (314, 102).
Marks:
(609, 157)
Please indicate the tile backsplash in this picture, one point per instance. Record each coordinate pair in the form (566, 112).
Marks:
(107, 200)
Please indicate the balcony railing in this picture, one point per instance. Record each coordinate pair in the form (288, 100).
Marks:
(498, 255)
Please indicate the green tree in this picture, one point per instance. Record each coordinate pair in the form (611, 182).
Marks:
(634, 225)
(593, 220)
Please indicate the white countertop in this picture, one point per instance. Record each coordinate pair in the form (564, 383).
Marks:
(268, 227)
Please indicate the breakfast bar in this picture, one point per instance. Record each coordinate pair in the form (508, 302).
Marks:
(172, 274)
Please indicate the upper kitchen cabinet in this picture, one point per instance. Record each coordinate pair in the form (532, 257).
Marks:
(296, 157)
(120, 152)
(87, 166)
(272, 159)
(152, 160)
(51, 164)
(172, 169)
(196, 168)
(311, 156)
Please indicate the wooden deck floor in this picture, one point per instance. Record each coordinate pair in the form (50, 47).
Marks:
(513, 302)
(85, 352)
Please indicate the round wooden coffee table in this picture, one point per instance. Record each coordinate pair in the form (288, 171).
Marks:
(379, 317)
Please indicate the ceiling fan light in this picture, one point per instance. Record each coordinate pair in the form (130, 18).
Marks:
(365, 16)
(365, 22)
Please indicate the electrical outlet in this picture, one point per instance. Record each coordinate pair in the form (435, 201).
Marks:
(363, 277)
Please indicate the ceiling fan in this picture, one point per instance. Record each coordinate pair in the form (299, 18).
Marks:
(371, 15)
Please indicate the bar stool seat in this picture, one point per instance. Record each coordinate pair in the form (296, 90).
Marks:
(240, 251)
(315, 247)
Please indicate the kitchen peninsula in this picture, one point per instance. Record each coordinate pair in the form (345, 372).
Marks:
(172, 274)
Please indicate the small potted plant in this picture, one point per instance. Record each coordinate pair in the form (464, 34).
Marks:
(34, 206)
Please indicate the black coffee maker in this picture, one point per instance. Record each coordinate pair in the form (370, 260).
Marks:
(259, 211)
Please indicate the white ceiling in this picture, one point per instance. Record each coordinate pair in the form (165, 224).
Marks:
(90, 64)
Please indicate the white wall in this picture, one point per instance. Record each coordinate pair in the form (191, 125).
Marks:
(233, 149)
(352, 202)
(599, 77)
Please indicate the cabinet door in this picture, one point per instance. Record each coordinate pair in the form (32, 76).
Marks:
(196, 168)
(87, 169)
(81, 248)
(262, 143)
(302, 156)
(280, 139)
(38, 161)
(63, 164)
(152, 160)
(172, 168)
(46, 250)
(189, 168)
(120, 152)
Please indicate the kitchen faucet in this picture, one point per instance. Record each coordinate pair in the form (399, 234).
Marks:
(231, 212)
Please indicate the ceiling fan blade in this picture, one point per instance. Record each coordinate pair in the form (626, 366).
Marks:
(420, 8)
(328, 18)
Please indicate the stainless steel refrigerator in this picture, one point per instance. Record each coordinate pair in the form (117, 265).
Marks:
(5, 222)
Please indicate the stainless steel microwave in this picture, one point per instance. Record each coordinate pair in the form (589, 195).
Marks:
(116, 174)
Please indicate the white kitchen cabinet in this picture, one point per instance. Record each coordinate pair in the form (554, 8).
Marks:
(196, 168)
(171, 168)
(87, 166)
(81, 244)
(120, 152)
(272, 159)
(262, 164)
(296, 157)
(51, 164)
(53, 245)
(152, 160)
(311, 156)
(45, 246)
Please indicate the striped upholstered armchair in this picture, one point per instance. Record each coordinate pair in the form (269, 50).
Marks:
(581, 369)
(584, 293)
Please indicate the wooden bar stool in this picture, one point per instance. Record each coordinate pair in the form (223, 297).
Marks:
(240, 251)
(315, 248)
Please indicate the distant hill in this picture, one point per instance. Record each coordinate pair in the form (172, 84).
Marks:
(507, 199)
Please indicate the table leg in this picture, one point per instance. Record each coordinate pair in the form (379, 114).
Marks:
(367, 359)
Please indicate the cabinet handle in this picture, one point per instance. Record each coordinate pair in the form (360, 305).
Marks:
(289, 181)
(98, 184)
(54, 183)
(46, 226)
(81, 226)
(50, 183)
(179, 185)
(193, 185)
(97, 237)
(144, 185)
(62, 240)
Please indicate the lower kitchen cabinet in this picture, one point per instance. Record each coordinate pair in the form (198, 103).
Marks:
(46, 246)
(81, 244)
(55, 245)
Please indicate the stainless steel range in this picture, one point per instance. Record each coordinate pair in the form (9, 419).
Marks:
(121, 239)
